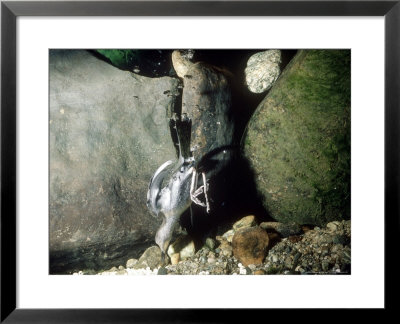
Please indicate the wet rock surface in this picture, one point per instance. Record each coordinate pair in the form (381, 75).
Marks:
(181, 61)
(182, 249)
(318, 251)
(108, 133)
(298, 140)
(250, 245)
(207, 101)
(151, 258)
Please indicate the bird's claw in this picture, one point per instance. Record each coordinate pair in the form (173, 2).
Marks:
(194, 193)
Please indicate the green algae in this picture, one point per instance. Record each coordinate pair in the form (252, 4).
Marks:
(298, 140)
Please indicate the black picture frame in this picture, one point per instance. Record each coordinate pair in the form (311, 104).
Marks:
(10, 10)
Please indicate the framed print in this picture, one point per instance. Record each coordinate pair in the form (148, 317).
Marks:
(231, 122)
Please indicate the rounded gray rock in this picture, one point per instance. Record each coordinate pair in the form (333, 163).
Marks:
(263, 70)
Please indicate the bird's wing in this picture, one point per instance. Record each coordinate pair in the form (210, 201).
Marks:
(155, 186)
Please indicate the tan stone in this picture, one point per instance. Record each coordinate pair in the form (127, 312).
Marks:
(175, 258)
(130, 263)
(181, 64)
(245, 222)
(333, 226)
(226, 249)
(183, 245)
(229, 235)
(150, 258)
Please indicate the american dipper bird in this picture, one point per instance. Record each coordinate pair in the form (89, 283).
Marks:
(173, 199)
(176, 197)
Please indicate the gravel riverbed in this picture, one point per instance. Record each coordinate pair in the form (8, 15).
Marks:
(306, 250)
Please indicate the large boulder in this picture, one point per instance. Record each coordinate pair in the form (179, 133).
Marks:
(108, 134)
(207, 101)
(298, 140)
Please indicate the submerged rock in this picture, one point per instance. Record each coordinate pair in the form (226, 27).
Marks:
(151, 258)
(108, 133)
(207, 101)
(229, 235)
(284, 230)
(245, 222)
(311, 253)
(314, 253)
(263, 70)
(181, 61)
(298, 140)
(183, 246)
(131, 262)
(250, 245)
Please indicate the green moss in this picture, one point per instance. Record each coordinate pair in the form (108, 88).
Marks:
(298, 141)
(123, 59)
(275, 269)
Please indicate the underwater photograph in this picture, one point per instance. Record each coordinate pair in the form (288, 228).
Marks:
(199, 162)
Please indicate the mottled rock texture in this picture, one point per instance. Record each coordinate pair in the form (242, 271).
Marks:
(263, 70)
(207, 101)
(247, 221)
(250, 245)
(298, 140)
(108, 133)
(181, 61)
(284, 230)
(151, 258)
(183, 246)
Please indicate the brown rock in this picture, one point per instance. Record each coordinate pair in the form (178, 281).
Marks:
(295, 238)
(306, 228)
(273, 239)
(259, 272)
(207, 101)
(250, 245)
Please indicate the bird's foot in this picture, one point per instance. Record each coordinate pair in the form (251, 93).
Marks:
(202, 189)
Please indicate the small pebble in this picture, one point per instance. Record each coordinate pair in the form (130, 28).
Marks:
(162, 271)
